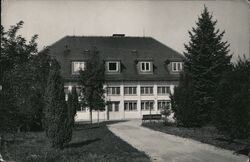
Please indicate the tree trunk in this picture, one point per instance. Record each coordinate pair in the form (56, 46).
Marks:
(150, 113)
(98, 117)
(90, 113)
(107, 113)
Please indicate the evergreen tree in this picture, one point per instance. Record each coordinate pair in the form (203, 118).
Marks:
(76, 105)
(182, 104)
(206, 59)
(73, 105)
(232, 101)
(92, 80)
(70, 108)
(56, 120)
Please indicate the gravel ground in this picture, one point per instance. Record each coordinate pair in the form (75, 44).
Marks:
(163, 147)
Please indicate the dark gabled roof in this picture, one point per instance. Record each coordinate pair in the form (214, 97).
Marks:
(128, 50)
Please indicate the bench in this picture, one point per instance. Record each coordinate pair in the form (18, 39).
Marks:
(151, 117)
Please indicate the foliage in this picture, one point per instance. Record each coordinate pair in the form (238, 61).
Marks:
(14, 48)
(21, 71)
(76, 105)
(92, 80)
(182, 104)
(73, 105)
(206, 59)
(165, 111)
(56, 120)
(231, 113)
(26, 84)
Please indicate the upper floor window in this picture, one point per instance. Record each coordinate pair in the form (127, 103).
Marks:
(163, 90)
(146, 66)
(113, 91)
(177, 66)
(146, 90)
(77, 66)
(113, 66)
(130, 90)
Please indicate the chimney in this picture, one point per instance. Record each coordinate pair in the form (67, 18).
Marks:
(118, 35)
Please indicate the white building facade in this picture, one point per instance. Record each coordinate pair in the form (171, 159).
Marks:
(141, 73)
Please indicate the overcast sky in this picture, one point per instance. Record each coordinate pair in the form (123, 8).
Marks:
(165, 20)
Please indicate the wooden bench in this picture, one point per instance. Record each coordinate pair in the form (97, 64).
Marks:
(152, 117)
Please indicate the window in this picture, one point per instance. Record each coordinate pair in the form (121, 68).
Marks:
(113, 91)
(116, 106)
(146, 90)
(113, 106)
(145, 66)
(163, 104)
(176, 66)
(130, 105)
(77, 66)
(147, 105)
(163, 90)
(110, 107)
(130, 90)
(113, 66)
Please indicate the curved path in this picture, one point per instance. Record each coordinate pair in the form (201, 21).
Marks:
(163, 147)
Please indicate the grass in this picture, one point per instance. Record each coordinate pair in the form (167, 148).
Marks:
(209, 135)
(89, 144)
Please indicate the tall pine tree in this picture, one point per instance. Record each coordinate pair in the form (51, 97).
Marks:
(206, 60)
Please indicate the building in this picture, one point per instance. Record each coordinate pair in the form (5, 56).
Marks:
(140, 72)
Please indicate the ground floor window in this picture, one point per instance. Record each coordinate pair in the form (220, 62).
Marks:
(130, 105)
(163, 104)
(113, 106)
(110, 107)
(147, 105)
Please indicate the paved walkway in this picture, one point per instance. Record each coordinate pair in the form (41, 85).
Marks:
(163, 147)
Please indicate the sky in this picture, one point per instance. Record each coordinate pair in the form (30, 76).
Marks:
(168, 21)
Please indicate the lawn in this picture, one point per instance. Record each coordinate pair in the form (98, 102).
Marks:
(209, 135)
(89, 144)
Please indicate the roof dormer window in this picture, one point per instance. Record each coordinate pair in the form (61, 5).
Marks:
(113, 66)
(177, 66)
(145, 66)
(77, 66)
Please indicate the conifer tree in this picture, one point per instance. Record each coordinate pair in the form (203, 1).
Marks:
(73, 105)
(70, 108)
(206, 60)
(232, 101)
(56, 121)
(76, 105)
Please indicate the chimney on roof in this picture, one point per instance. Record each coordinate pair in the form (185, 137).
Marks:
(118, 35)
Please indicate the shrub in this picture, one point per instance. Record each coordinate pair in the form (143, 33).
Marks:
(56, 120)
